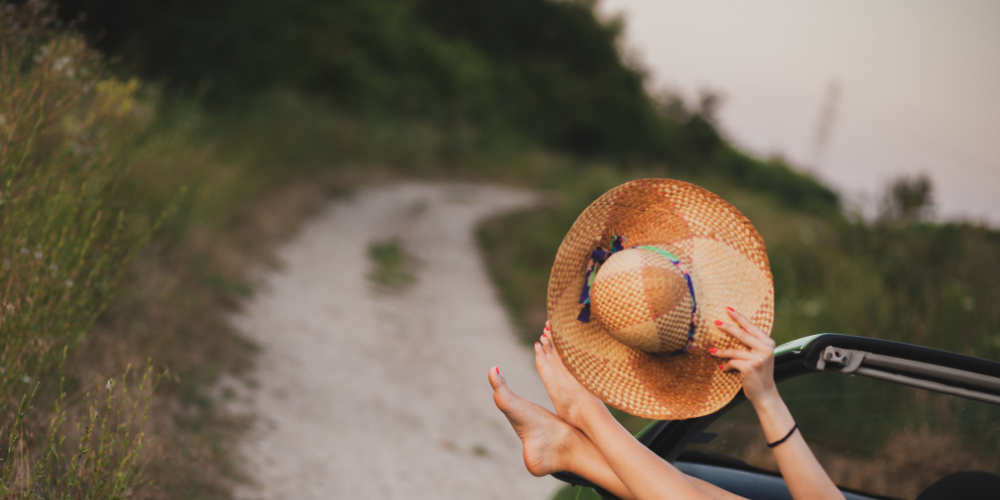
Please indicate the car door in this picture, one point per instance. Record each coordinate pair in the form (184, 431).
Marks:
(886, 420)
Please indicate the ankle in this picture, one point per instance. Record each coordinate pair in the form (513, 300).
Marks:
(586, 413)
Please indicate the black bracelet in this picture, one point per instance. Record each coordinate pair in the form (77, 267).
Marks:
(782, 440)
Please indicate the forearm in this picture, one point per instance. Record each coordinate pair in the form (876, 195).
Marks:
(646, 475)
(803, 474)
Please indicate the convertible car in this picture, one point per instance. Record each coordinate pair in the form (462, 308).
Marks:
(887, 420)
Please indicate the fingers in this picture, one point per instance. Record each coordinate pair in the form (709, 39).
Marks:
(739, 365)
(748, 340)
(740, 360)
(733, 354)
(749, 327)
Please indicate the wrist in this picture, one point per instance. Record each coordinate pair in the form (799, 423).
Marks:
(768, 403)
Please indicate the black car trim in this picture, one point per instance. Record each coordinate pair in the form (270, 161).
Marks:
(812, 350)
(959, 382)
(929, 385)
(934, 371)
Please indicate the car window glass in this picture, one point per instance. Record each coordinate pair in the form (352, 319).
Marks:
(872, 436)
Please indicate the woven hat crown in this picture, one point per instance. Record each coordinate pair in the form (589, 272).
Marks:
(642, 299)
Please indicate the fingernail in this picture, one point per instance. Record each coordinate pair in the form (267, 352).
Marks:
(713, 350)
(543, 335)
(498, 370)
(537, 343)
(722, 367)
(731, 309)
(547, 328)
(717, 322)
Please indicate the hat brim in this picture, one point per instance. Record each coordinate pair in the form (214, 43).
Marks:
(729, 269)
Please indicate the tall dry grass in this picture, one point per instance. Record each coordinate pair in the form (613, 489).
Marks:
(63, 248)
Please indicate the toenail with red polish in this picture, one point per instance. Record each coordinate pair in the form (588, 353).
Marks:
(718, 322)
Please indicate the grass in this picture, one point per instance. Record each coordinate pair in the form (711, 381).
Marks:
(393, 267)
(131, 223)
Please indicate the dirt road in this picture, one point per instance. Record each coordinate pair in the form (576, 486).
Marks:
(363, 395)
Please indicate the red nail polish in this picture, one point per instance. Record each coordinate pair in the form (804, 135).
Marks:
(713, 350)
(498, 370)
(722, 367)
(731, 309)
(717, 322)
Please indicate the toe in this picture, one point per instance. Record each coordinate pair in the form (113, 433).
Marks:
(496, 380)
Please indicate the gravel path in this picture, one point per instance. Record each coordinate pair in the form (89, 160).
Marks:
(364, 395)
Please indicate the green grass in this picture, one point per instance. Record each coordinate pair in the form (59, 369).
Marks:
(576, 493)
(921, 283)
(393, 267)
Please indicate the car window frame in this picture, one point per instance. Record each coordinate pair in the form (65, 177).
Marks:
(669, 438)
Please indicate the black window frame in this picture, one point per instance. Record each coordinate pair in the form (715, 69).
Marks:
(669, 438)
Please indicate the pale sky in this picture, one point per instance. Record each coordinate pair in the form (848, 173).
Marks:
(919, 85)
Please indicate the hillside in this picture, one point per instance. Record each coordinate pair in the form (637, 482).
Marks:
(152, 154)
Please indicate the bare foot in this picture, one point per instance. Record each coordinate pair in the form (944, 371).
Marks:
(568, 396)
(548, 441)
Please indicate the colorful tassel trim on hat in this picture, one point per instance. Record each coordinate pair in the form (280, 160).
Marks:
(597, 257)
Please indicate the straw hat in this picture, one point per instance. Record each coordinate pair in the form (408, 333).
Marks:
(636, 287)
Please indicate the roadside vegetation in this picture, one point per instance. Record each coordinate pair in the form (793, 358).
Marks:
(153, 154)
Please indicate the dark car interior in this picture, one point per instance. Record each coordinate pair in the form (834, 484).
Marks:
(887, 420)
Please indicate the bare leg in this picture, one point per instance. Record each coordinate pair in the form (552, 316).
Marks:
(643, 474)
(552, 445)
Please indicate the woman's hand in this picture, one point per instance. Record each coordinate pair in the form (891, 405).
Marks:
(756, 366)
(804, 476)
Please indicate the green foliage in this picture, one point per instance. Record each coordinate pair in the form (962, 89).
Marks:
(576, 493)
(339, 92)
(63, 246)
(97, 457)
(923, 283)
(546, 71)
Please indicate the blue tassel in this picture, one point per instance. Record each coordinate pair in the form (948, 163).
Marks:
(617, 243)
(597, 257)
